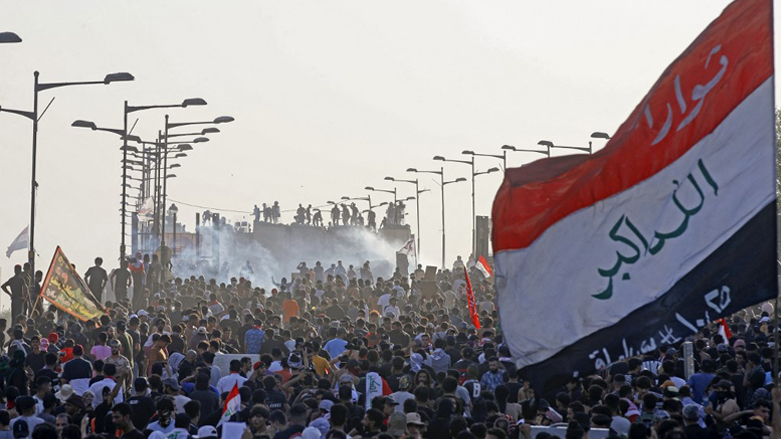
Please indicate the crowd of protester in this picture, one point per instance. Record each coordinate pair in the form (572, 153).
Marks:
(300, 355)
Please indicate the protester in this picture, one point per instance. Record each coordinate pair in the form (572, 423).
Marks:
(334, 354)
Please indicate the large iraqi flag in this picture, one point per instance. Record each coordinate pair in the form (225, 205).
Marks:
(671, 226)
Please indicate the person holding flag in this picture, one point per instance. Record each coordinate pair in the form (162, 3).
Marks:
(232, 405)
(470, 300)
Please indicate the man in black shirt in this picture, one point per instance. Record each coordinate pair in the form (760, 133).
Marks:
(16, 292)
(296, 424)
(96, 278)
(77, 371)
(275, 399)
(121, 279)
(398, 337)
(50, 361)
(120, 416)
(142, 405)
(35, 359)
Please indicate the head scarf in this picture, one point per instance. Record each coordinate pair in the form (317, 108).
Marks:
(175, 360)
(415, 361)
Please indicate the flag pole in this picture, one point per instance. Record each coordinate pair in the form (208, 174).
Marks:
(778, 203)
(35, 305)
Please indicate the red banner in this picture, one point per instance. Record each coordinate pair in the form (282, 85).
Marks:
(470, 300)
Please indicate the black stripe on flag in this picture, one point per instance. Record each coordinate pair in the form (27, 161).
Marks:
(739, 274)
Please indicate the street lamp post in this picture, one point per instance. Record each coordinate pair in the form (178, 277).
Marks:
(127, 110)
(366, 198)
(472, 164)
(417, 204)
(502, 157)
(506, 148)
(395, 215)
(170, 125)
(155, 154)
(595, 135)
(34, 117)
(442, 184)
(369, 188)
(173, 210)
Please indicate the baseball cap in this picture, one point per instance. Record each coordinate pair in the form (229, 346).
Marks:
(202, 330)
(207, 431)
(414, 419)
(21, 429)
(77, 401)
(397, 424)
(310, 433)
(326, 405)
(172, 383)
(387, 400)
(114, 343)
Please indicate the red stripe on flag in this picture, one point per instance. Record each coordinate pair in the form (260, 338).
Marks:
(533, 198)
(485, 265)
(726, 330)
(470, 300)
(234, 393)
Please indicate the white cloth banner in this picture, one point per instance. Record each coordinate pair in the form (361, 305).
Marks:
(373, 388)
(20, 243)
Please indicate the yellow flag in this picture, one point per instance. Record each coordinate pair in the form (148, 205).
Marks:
(66, 290)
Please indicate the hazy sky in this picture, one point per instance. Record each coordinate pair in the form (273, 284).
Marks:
(328, 96)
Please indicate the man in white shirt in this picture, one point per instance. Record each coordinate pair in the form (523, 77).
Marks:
(341, 271)
(391, 310)
(384, 300)
(226, 383)
(109, 371)
(171, 388)
(27, 421)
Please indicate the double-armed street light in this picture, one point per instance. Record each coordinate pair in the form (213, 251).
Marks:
(387, 191)
(506, 148)
(35, 118)
(170, 125)
(595, 135)
(502, 157)
(442, 184)
(474, 174)
(417, 204)
(190, 102)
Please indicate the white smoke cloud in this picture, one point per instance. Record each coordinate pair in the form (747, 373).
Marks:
(285, 247)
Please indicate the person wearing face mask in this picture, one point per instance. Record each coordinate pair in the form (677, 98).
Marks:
(165, 412)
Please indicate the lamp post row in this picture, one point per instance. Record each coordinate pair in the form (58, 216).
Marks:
(34, 116)
(547, 152)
